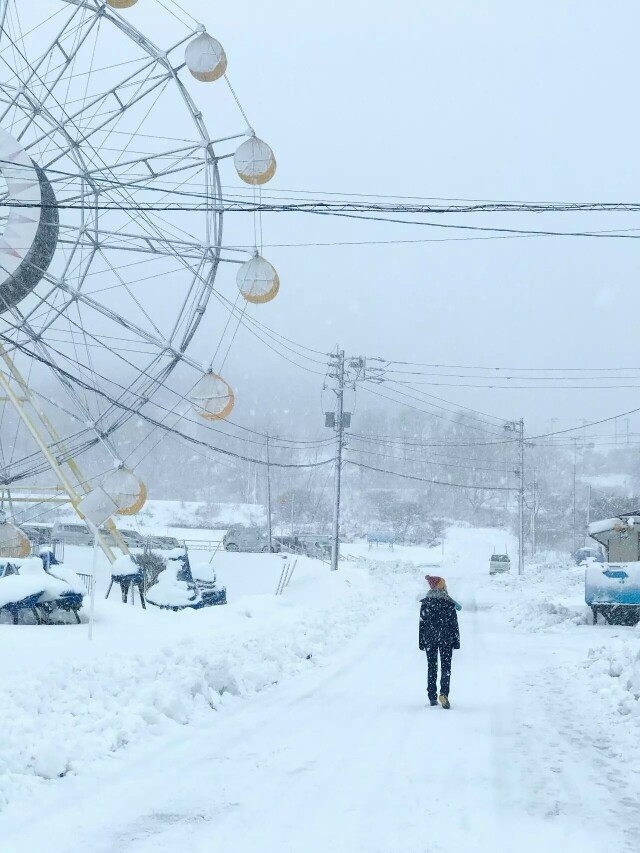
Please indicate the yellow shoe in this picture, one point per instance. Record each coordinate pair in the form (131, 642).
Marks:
(444, 701)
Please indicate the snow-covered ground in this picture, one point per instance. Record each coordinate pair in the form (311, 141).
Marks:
(300, 720)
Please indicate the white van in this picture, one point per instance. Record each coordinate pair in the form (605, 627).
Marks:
(499, 563)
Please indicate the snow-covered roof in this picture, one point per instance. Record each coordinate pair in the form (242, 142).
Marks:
(606, 524)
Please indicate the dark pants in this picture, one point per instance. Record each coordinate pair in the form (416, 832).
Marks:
(446, 653)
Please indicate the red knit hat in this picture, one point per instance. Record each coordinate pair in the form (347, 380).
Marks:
(435, 582)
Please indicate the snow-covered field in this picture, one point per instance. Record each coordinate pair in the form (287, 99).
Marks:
(300, 720)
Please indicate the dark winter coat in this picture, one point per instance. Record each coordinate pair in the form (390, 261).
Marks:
(438, 621)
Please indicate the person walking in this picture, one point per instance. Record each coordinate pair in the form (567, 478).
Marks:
(439, 634)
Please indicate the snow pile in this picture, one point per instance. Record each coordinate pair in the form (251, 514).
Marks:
(68, 577)
(125, 567)
(549, 594)
(615, 676)
(30, 580)
(203, 572)
(16, 588)
(62, 710)
(174, 586)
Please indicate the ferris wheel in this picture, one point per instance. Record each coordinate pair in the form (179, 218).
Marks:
(111, 215)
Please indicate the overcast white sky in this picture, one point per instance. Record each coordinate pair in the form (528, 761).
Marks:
(451, 98)
(456, 99)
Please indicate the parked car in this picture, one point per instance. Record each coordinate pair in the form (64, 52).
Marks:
(289, 543)
(72, 534)
(588, 553)
(163, 543)
(241, 538)
(39, 534)
(499, 563)
(318, 546)
(132, 538)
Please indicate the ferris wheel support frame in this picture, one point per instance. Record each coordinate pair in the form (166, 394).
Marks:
(67, 485)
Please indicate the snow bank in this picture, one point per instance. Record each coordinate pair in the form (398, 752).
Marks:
(65, 705)
(615, 675)
(549, 594)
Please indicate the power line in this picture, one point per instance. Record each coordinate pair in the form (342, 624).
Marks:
(395, 443)
(426, 461)
(423, 411)
(502, 367)
(458, 409)
(158, 424)
(433, 482)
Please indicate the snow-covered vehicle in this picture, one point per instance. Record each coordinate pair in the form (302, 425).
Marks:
(612, 588)
(71, 534)
(163, 543)
(583, 555)
(499, 563)
(243, 538)
(39, 534)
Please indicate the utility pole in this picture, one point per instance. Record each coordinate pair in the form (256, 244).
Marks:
(521, 513)
(338, 364)
(533, 515)
(518, 427)
(339, 420)
(575, 456)
(269, 540)
(588, 506)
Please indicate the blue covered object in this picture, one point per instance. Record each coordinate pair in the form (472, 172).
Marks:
(177, 589)
(40, 585)
(381, 537)
(613, 591)
(612, 583)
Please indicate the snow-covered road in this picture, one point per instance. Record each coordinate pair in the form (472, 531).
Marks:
(349, 758)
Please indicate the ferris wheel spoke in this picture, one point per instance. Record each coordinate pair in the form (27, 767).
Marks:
(146, 244)
(134, 299)
(70, 117)
(128, 403)
(147, 181)
(58, 73)
(44, 351)
(110, 314)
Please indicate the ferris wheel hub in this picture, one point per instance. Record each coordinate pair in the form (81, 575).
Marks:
(30, 235)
